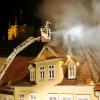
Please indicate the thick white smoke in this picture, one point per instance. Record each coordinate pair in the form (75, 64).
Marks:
(72, 15)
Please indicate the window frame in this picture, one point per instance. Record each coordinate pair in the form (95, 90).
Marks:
(33, 94)
(10, 97)
(21, 98)
(42, 72)
(72, 71)
(83, 97)
(66, 95)
(32, 74)
(52, 71)
(53, 95)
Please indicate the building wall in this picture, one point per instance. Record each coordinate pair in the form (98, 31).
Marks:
(6, 97)
(46, 86)
(58, 71)
(45, 90)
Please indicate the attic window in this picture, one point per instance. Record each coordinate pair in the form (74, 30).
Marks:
(72, 71)
(42, 72)
(32, 74)
(51, 71)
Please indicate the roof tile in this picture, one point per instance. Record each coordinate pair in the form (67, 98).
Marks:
(84, 76)
(17, 70)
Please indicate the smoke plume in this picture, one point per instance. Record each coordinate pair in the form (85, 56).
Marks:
(74, 20)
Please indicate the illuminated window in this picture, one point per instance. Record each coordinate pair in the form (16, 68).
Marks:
(52, 96)
(83, 97)
(72, 71)
(33, 96)
(66, 97)
(21, 96)
(32, 74)
(10, 97)
(42, 72)
(51, 72)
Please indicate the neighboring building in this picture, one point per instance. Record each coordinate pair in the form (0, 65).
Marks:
(51, 75)
(97, 90)
(20, 32)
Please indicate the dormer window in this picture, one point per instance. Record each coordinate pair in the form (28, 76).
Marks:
(72, 71)
(42, 72)
(51, 71)
(32, 74)
(32, 70)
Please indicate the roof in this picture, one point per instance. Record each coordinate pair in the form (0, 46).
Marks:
(17, 71)
(6, 90)
(61, 52)
(84, 76)
(49, 52)
(20, 72)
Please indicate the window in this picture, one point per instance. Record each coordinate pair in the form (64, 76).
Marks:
(83, 97)
(4, 97)
(72, 71)
(33, 96)
(66, 97)
(21, 96)
(51, 72)
(10, 98)
(32, 74)
(52, 96)
(42, 72)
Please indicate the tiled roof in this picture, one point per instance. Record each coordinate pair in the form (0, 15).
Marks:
(17, 71)
(84, 76)
(60, 51)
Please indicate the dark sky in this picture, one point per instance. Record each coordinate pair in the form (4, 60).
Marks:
(11, 8)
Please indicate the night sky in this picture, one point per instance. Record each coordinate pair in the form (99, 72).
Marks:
(11, 8)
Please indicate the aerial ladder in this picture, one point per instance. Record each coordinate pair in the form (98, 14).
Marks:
(45, 37)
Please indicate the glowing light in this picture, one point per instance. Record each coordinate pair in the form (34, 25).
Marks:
(68, 57)
(77, 63)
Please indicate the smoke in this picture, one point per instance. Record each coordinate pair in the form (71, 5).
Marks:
(74, 20)
(96, 12)
(65, 13)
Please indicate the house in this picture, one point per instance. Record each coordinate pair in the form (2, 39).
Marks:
(50, 75)
(97, 90)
